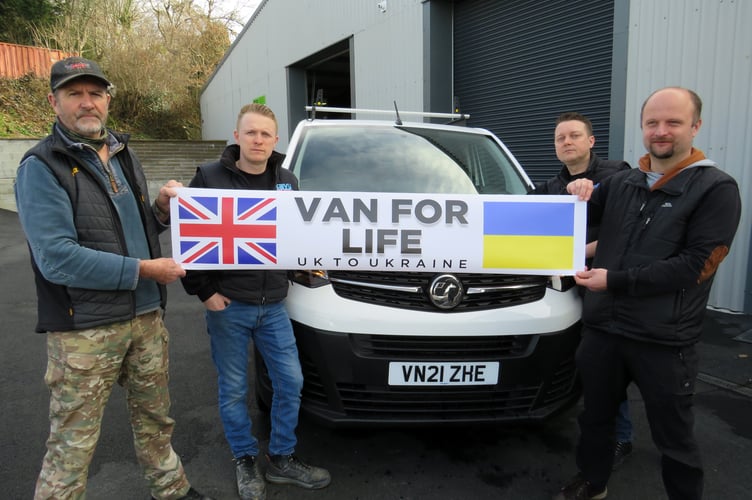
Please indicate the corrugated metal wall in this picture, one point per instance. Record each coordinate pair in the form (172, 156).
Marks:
(19, 60)
(705, 45)
(520, 63)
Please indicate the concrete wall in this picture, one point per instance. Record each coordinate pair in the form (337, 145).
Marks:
(162, 160)
(11, 151)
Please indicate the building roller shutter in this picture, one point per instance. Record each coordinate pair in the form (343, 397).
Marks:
(519, 64)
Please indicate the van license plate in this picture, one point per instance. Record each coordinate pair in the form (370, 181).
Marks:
(444, 373)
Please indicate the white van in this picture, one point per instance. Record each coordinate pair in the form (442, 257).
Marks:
(423, 348)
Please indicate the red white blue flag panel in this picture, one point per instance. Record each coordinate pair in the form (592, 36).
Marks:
(227, 230)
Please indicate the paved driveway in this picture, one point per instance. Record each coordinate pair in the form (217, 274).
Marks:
(456, 463)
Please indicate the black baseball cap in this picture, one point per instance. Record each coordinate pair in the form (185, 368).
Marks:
(75, 67)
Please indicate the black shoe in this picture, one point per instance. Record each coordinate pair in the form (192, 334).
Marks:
(580, 489)
(193, 495)
(621, 452)
(289, 469)
(251, 485)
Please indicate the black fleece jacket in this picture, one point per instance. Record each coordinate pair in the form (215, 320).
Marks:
(661, 248)
(252, 287)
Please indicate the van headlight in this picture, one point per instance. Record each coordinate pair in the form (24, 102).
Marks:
(312, 279)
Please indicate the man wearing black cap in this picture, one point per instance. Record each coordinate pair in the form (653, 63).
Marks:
(83, 204)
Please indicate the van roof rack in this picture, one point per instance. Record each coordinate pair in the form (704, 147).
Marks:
(396, 113)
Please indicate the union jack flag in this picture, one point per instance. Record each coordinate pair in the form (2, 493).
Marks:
(227, 230)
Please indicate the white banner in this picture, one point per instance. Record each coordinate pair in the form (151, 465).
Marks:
(241, 229)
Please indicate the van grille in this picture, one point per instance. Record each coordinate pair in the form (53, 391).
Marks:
(433, 348)
(562, 383)
(410, 290)
(432, 403)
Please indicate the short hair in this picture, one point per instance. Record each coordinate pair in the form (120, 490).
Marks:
(573, 115)
(696, 102)
(261, 109)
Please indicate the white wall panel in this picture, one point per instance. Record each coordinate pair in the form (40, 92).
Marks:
(389, 60)
(387, 49)
(705, 45)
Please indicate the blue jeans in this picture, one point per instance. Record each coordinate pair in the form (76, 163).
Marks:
(623, 423)
(231, 331)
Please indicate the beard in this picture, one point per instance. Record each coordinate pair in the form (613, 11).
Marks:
(661, 155)
(90, 127)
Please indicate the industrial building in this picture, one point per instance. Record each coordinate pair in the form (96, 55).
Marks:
(513, 66)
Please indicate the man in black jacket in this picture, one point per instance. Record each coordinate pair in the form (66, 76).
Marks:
(574, 141)
(665, 228)
(243, 305)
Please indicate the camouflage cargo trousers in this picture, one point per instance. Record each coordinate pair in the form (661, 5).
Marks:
(82, 367)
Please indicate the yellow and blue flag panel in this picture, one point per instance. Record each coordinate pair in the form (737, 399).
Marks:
(521, 235)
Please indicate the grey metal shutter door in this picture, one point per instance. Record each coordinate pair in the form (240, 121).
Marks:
(520, 63)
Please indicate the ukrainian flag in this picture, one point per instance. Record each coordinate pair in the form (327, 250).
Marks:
(528, 235)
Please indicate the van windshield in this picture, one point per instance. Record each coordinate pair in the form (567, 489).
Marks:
(403, 159)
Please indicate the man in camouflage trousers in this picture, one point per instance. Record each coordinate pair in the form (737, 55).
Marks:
(83, 204)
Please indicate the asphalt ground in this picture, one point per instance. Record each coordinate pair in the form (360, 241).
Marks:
(478, 462)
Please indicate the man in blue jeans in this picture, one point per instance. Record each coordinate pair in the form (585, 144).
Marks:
(244, 306)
